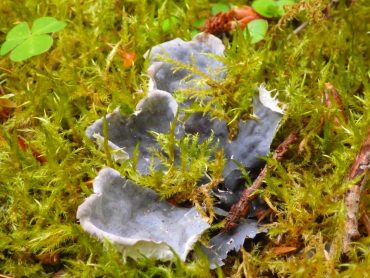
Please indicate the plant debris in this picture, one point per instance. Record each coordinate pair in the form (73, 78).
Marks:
(333, 100)
(358, 172)
(224, 22)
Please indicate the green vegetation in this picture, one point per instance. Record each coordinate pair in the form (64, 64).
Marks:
(25, 43)
(47, 162)
(180, 180)
(271, 8)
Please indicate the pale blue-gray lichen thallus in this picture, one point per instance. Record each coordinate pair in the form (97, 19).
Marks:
(137, 221)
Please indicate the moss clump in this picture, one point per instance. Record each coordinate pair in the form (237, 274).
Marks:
(190, 169)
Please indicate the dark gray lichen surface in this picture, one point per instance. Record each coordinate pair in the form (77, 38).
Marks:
(221, 244)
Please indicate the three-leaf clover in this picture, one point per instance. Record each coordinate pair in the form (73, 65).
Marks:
(25, 43)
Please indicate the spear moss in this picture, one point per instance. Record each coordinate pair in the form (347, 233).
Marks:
(61, 92)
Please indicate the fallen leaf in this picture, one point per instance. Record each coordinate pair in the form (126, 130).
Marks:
(6, 103)
(50, 258)
(128, 57)
(89, 183)
(6, 108)
(226, 21)
(333, 100)
(281, 250)
(22, 143)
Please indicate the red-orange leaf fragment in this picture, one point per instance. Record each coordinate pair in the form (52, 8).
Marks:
(332, 100)
(51, 258)
(6, 108)
(89, 183)
(281, 250)
(22, 143)
(128, 57)
(224, 22)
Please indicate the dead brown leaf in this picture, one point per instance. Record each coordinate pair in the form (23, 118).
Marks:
(51, 258)
(227, 21)
(282, 250)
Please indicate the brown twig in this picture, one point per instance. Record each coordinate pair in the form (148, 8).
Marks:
(241, 208)
(365, 220)
(5, 276)
(359, 170)
(299, 28)
(332, 99)
(6, 70)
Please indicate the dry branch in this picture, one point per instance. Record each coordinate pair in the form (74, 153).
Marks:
(241, 208)
(365, 220)
(332, 99)
(360, 171)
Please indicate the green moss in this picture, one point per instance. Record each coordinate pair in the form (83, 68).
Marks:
(61, 92)
(180, 180)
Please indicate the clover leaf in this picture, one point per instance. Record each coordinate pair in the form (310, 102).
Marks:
(267, 8)
(220, 7)
(271, 8)
(257, 29)
(282, 3)
(25, 43)
(169, 23)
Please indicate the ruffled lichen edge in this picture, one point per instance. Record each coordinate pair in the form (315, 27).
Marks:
(131, 246)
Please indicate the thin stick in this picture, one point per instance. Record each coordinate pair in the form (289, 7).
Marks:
(352, 199)
(365, 220)
(332, 99)
(111, 56)
(241, 208)
(300, 28)
(5, 276)
(8, 71)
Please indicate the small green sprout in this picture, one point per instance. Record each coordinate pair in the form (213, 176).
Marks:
(25, 43)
